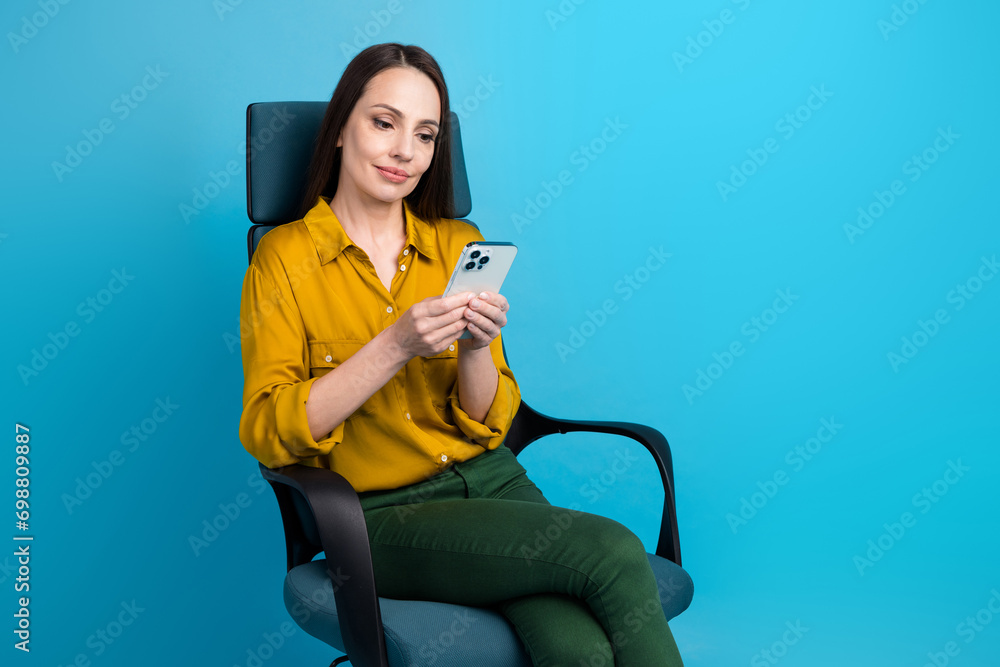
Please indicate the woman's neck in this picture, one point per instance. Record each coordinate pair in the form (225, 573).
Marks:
(371, 221)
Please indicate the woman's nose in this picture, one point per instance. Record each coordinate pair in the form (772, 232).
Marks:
(402, 146)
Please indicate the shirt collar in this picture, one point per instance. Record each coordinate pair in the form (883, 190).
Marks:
(331, 239)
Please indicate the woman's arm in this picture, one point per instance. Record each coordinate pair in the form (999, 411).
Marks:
(477, 381)
(335, 396)
(478, 373)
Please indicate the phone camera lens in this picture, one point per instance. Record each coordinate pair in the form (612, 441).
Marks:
(484, 259)
(474, 254)
(470, 265)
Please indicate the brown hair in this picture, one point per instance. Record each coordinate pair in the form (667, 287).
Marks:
(433, 197)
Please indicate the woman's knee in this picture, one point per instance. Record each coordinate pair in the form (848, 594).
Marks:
(585, 537)
(612, 539)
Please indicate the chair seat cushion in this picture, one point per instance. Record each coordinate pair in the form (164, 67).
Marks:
(421, 632)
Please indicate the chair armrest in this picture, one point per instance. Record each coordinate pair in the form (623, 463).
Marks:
(343, 534)
(532, 425)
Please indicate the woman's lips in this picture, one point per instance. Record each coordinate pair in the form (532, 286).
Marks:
(395, 178)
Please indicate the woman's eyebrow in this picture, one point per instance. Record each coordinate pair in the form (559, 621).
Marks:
(399, 113)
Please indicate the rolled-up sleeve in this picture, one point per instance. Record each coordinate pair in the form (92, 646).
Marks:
(492, 431)
(274, 427)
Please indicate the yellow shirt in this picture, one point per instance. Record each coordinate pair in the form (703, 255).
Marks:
(311, 299)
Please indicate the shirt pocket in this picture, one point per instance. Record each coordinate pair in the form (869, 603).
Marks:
(440, 374)
(327, 354)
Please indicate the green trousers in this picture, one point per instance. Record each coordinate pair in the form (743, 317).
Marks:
(577, 587)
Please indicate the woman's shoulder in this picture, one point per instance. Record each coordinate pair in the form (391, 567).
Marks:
(452, 232)
(450, 236)
(283, 246)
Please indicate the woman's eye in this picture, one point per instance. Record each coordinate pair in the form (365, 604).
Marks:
(380, 123)
(427, 138)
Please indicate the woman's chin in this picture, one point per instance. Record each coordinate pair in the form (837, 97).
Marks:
(390, 195)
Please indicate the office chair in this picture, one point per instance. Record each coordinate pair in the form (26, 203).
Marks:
(334, 598)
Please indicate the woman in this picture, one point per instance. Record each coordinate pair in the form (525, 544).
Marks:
(353, 363)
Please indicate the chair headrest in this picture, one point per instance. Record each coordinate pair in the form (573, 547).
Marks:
(280, 141)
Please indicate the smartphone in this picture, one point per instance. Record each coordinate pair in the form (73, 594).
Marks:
(482, 267)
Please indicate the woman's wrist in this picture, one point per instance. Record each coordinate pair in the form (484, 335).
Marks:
(392, 348)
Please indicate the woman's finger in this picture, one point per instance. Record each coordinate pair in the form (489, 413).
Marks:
(489, 310)
(481, 336)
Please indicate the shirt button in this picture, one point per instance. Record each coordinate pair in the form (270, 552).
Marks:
(329, 358)
(388, 309)
(444, 457)
(450, 347)
(406, 251)
(402, 267)
(407, 415)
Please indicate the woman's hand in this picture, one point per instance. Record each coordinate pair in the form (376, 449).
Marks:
(485, 315)
(430, 326)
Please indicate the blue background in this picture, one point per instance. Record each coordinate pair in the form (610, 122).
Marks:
(556, 80)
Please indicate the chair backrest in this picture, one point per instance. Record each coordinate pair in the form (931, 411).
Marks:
(280, 141)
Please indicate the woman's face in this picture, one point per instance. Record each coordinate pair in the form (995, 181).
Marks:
(388, 140)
